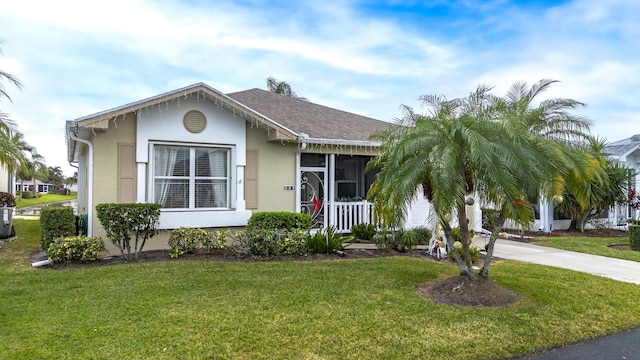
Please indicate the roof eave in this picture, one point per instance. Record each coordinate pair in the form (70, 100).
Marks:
(100, 120)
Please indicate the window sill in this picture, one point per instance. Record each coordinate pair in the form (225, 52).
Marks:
(203, 218)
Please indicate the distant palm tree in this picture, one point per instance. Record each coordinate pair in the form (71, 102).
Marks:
(39, 169)
(282, 88)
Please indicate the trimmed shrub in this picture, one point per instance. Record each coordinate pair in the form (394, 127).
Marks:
(634, 236)
(325, 241)
(268, 243)
(186, 240)
(217, 241)
(27, 195)
(56, 222)
(279, 220)
(121, 221)
(473, 252)
(385, 240)
(363, 231)
(75, 249)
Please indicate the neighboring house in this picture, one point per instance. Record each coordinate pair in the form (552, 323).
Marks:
(72, 187)
(6, 180)
(211, 159)
(41, 187)
(626, 152)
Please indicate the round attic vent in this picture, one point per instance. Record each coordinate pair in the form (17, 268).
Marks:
(194, 121)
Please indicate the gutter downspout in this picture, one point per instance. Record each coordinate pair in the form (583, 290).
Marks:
(89, 181)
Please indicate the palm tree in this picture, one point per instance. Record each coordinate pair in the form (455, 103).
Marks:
(282, 88)
(481, 145)
(12, 148)
(39, 169)
(594, 195)
(15, 159)
(5, 122)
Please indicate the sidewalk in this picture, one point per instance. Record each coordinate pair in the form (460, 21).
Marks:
(621, 270)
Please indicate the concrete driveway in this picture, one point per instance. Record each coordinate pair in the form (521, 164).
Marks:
(622, 270)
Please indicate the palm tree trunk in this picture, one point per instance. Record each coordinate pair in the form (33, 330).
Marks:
(462, 266)
(484, 272)
(583, 219)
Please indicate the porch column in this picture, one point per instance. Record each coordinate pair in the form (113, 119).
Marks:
(546, 215)
(477, 215)
(141, 191)
(332, 191)
(298, 181)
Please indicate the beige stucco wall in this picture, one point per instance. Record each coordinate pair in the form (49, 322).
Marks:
(276, 169)
(105, 168)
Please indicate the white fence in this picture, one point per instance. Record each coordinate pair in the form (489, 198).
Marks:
(346, 214)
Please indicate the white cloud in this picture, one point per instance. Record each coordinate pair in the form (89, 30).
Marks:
(77, 57)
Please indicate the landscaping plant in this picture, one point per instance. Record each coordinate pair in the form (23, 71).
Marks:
(56, 222)
(363, 231)
(75, 249)
(186, 240)
(325, 241)
(121, 221)
(634, 234)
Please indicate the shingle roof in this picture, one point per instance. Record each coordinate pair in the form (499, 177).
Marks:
(623, 147)
(317, 121)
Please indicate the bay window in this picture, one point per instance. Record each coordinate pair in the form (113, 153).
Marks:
(191, 177)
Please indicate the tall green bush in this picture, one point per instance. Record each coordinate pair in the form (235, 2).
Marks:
(634, 236)
(56, 222)
(121, 221)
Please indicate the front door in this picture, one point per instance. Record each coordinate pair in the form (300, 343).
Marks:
(312, 195)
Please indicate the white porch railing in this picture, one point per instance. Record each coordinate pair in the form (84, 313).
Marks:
(346, 214)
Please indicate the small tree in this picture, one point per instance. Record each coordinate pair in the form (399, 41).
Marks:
(121, 221)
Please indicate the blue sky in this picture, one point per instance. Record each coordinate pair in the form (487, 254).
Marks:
(368, 57)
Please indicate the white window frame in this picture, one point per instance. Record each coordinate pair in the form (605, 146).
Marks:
(192, 178)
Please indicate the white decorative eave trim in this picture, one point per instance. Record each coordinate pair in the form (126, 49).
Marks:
(100, 120)
(304, 139)
(624, 156)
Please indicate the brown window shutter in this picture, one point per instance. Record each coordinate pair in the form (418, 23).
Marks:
(251, 180)
(126, 173)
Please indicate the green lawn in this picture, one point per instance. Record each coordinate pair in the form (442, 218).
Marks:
(345, 309)
(591, 245)
(45, 199)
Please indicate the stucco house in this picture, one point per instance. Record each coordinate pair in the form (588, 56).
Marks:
(40, 186)
(6, 180)
(211, 159)
(627, 153)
